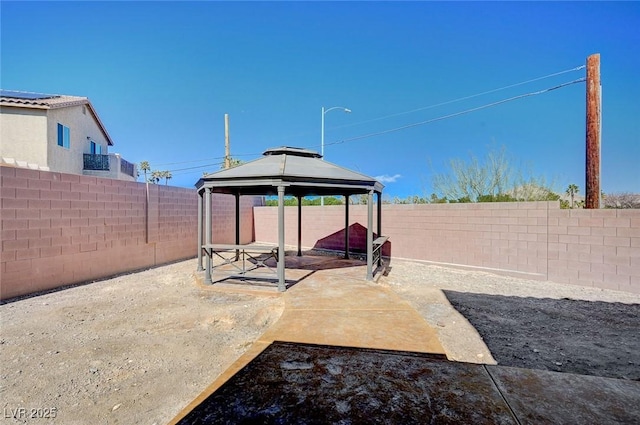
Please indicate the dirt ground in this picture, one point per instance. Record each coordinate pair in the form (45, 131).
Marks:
(486, 318)
(138, 348)
(584, 337)
(526, 323)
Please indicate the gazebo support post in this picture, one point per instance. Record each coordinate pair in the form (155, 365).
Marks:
(281, 282)
(200, 232)
(299, 226)
(207, 229)
(346, 227)
(237, 195)
(379, 205)
(370, 236)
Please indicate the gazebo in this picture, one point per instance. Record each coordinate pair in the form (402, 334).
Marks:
(286, 171)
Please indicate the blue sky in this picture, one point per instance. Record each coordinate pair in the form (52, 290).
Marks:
(161, 75)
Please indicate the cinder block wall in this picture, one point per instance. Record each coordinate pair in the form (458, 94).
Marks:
(60, 229)
(599, 248)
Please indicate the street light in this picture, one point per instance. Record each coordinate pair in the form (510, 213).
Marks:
(324, 111)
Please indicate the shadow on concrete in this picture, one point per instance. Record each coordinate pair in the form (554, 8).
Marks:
(562, 335)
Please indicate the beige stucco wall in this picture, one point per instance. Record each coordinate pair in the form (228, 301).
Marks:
(31, 136)
(22, 135)
(82, 126)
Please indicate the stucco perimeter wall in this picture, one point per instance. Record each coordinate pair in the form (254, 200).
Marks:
(599, 248)
(60, 229)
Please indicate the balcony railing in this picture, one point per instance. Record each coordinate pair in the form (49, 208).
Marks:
(126, 167)
(96, 162)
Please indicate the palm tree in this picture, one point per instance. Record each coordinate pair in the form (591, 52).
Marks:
(571, 191)
(166, 175)
(144, 166)
(156, 176)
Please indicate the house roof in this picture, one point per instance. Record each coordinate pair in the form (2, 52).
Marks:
(301, 171)
(31, 100)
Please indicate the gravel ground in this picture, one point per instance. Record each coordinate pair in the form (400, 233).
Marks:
(138, 348)
(134, 349)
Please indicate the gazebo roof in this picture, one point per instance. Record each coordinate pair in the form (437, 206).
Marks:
(301, 171)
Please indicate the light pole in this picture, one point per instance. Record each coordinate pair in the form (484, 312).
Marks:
(324, 111)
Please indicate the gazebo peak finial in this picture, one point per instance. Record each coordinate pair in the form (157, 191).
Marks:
(289, 150)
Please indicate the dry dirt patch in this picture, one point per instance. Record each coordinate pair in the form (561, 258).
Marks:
(132, 349)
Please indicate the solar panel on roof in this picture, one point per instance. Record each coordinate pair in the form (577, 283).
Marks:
(25, 95)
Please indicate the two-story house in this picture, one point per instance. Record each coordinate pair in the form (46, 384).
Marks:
(57, 133)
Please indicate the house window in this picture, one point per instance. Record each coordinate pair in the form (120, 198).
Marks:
(95, 148)
(63, 136)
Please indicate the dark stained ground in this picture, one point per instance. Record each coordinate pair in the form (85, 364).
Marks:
(584, 337)
(307, 384)
(291, 383)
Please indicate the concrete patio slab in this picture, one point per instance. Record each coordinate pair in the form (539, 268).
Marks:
(538, 396)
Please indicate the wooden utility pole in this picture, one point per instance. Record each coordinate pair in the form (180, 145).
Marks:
(227, 154)
(592, 186)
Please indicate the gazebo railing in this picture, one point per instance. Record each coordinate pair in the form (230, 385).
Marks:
(241, 254)
(377, 249)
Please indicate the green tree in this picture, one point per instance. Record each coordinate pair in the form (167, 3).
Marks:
(494, 178)
(415, 199)
(361, 199)
(434, 199)
(233, 162)
(290, 201)
(572, 190)
(500, 197)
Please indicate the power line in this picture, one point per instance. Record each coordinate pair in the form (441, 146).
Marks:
(191, 171)
(196, 167)
(577, 68)
(189, 162)
(448, 102)
(466, 111)
(202, 160)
